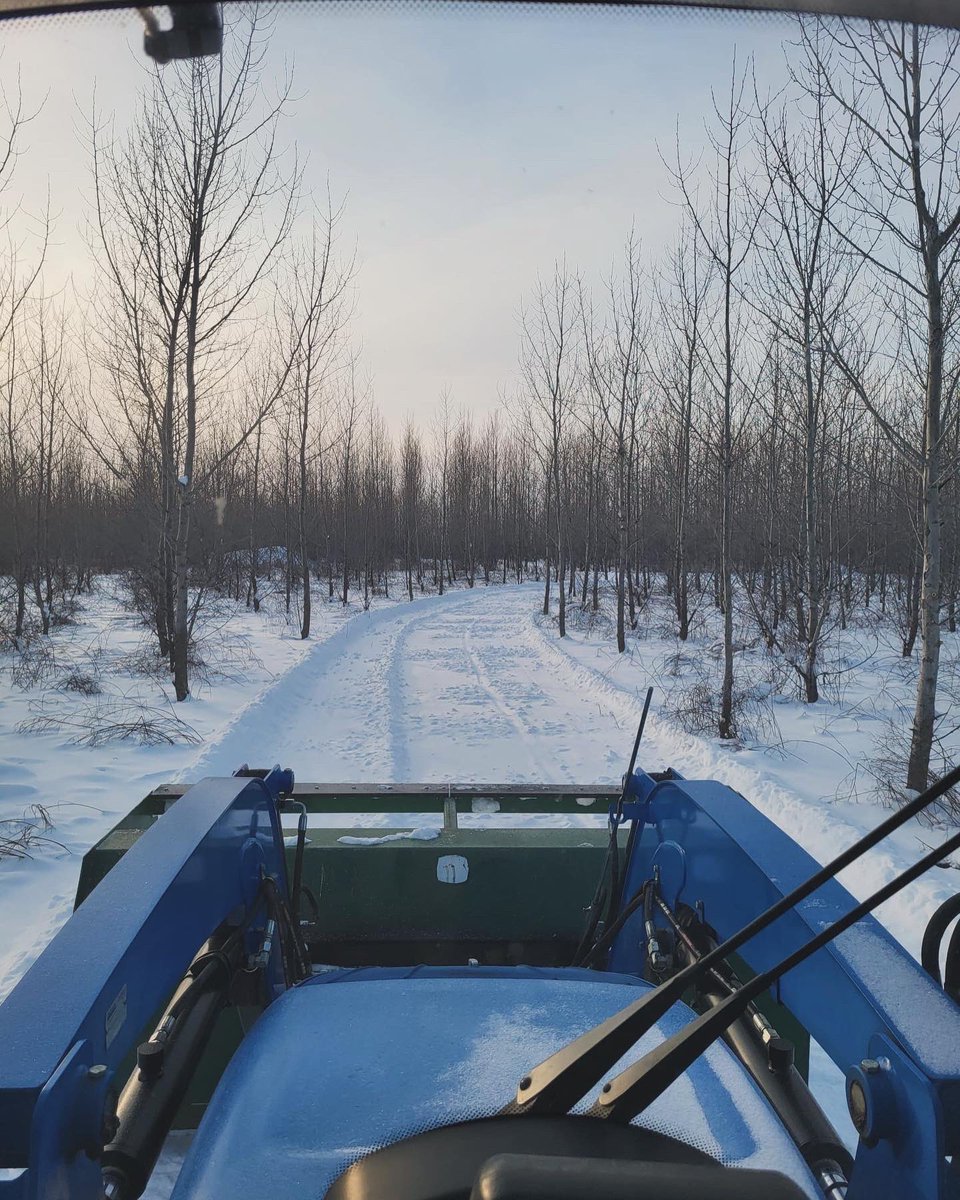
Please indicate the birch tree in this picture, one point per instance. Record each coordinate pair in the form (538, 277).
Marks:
(725, 221)
(191, 206)
(898, 85)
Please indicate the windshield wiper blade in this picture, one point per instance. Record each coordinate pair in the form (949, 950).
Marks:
(643, 1081)
(557, 1083)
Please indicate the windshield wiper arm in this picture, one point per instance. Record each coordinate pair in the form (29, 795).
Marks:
(643, 1081)
(557, 1083)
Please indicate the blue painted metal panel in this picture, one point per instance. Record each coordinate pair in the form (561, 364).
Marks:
(862, 986)
(407, 1051)
(89, 994)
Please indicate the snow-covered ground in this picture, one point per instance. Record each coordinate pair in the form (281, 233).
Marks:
(85, 789)
(472, 686)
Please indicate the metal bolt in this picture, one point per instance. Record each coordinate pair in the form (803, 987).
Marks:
(97, 1071)
(525, 1083)
(607, 1087)
(869, 1066)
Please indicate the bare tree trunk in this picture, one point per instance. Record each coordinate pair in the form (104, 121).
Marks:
(924, 717)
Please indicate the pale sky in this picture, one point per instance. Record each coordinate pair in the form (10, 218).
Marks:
(474, 147)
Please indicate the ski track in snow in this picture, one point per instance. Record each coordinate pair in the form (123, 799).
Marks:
(474, 687)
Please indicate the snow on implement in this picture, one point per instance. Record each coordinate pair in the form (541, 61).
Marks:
(476, 1013)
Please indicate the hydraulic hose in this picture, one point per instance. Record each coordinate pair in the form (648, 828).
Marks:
(165, 1066)
(769, 1060)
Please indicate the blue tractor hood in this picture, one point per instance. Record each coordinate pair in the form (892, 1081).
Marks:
(355, 1060)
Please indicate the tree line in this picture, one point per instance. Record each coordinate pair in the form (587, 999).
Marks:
(762, 414)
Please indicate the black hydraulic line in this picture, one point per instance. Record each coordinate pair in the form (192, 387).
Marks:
(654, 960)
(586, 945)
(272, 900)
(933, 936)
(294, 953)
(695, 952)
(769, 1060)
(556, 1084)
(297, 888)
(608, 897)
(641, 1083)
(604, 942)
(165, 1066)
(627, 858)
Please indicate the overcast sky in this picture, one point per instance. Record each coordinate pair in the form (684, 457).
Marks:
(474, 146)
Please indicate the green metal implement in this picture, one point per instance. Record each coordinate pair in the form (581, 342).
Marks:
(466, 893)
(495, 894)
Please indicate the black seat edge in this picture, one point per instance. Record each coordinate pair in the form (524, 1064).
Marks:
(550, 1177)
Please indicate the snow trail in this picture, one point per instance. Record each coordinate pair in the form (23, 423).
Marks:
(445, 689)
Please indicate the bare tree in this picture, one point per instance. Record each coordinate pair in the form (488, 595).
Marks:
(442, 438)
(615, 354)
(802, 287)
(353, 407)
(191, 208)
(549, 363)
(898, 85)
(682, 299)
(317, 311)
(411, 474)
(726, 222)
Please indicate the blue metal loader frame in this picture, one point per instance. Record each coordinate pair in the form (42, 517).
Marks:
(863, 998)
(80, 1008)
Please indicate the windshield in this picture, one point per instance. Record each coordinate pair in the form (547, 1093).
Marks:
(400, 393)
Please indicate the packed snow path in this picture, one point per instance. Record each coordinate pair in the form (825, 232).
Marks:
(456, 687)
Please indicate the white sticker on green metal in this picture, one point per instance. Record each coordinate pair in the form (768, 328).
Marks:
(452, 868)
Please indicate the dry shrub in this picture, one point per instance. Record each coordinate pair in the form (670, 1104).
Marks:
(65, 612)
(113, 720)
(888, 768)
(82, 682)
(695, 707)
(21, 835)
(34, 661)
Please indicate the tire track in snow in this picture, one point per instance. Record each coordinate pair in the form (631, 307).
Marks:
(399, 694)
(340, 683)
(522, 726)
